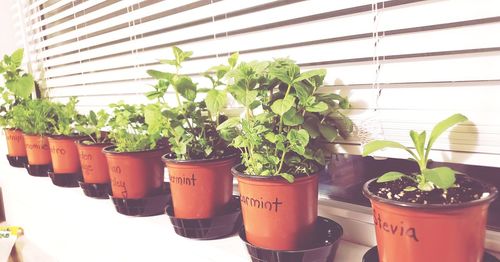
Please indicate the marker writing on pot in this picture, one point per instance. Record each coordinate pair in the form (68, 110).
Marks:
(37, 146)
(85, 156)
(181, 180)
(395, 229)
(58, 151)
(261, 203)
(12, 137)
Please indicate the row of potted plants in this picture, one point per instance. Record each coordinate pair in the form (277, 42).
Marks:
(276, 150)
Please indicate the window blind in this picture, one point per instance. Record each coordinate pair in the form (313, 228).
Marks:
(403, 64)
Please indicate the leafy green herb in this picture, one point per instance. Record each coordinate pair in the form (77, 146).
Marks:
(286, 121)
(65, 118)
(33, 115)
(191, 125)
(428, 179)
(92, 125)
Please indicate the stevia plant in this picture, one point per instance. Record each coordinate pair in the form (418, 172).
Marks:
(428, 178)
(92, 124)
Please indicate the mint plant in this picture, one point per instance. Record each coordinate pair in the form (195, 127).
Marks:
(129, 131)
(287, 122)
(191, 125)
(92, 124)
(427, 179)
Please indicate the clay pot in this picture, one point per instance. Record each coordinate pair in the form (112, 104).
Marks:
(37, 149)
(278, 215)
(135, 175)
(200, 188)
(15, 142)
(64, 154)
(93, 162)
(430, 232)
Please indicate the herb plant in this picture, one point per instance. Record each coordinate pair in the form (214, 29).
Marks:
(65, 117)
(33, 115)
(92, 125)
(191, 125)
(427, 179)
(129, 131)
(287, 122)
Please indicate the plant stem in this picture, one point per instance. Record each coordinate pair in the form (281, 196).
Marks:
(281, 162)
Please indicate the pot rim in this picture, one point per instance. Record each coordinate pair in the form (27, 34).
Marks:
(168, 160)
(37, 135)
(108, 150)
(12, 129)
(80, 142)
(237, 173)
(493, 193)
(65, 137)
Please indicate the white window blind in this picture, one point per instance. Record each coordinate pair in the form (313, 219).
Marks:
(403, 64)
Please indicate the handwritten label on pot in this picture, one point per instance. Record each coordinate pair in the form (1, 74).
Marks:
(58, 151)
(261, 203)
(183, 180)
(115, 183)
(400, 229)
(14, 137)
(37, 147)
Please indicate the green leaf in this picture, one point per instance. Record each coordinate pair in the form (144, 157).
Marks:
(243, 96)
(309, 74)
(425, 186)
(311, 124)
(409, 188)
(317, 107)
(280, 106)
(185, 86)
(230, 123)
(216, 101)
(233, 59)
(17, 57)
(390, 176)
(293, 118)
(328, 132)
(376, 145)
(288, 177)
(22, 87)
(441, 127)
(319, 156)
(442, 177)
(298, 137)
(419, 142)
(160, 75)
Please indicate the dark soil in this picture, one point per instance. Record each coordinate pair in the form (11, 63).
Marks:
(465, 190)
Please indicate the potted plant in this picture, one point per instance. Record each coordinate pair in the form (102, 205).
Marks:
(134, 161)
(64, 154)
(435, 214)
(92, 159)
(19, 86)
(33, 120)
(199, 166)
(282, 140)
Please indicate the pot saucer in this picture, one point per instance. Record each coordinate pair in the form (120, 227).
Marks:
(17, 161)
(99, 191)
(326, 241)
(219, 226)
(64, 180)
(142, 207)
(38, 170)
(372, 256)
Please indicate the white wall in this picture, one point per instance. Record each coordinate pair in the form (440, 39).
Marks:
(10, 38)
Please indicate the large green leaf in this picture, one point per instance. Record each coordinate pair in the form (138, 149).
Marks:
(376, 145)
(311, 124)
(293, 118)
(390, 176)
(185, 86)
(317, 107)
(309, 74)
(22, 87)
(280, 106)
(17, 57)
(216, 100)
(442, 177)
(441, 127)
(419, 142)
(160, 75)
(243, 96)
(328, 132)
(298, 137)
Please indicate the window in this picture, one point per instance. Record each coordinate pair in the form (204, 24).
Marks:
(403, 64)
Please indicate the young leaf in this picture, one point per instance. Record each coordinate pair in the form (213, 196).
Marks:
(280, 106)
(288, 177)
(17, 57)
(442, 177)
(328, 132)
(298, 137)
(441, 127)
(233, 59)
(216, 100)
(309, 74)
(419, 142)
(390, 176)
(376, 145)
(159, 75)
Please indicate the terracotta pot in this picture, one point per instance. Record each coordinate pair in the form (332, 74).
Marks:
(64, 154)
(135, 175)
(37, 149)
(278, 215)
(418, 232)
(15, 142)
(200, 188)
(93, 162)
